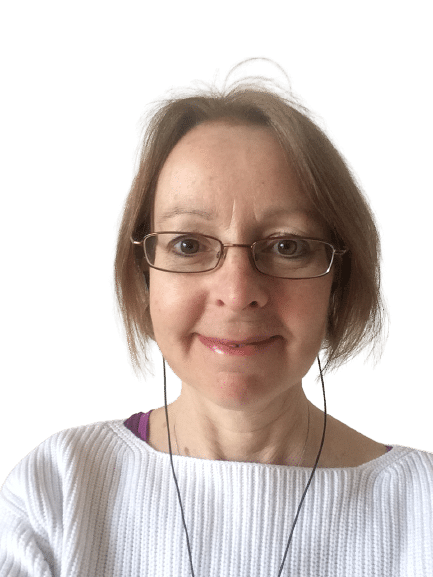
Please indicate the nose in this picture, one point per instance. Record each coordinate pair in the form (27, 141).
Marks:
(241, 257)
(239, 285)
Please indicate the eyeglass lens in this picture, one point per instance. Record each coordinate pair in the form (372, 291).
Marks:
(286, 257)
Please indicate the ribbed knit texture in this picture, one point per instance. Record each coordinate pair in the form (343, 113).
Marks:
(96, 501)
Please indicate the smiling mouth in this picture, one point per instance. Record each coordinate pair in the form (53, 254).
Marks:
(243, 343)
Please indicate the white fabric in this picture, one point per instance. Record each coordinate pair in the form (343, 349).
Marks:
(96, 501)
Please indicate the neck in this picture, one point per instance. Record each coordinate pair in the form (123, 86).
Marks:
(278, 433)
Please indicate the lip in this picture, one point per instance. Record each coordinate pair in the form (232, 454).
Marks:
(255, 340)
(241, 348)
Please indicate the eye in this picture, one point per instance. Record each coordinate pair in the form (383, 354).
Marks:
(189, 246)
(289, 247)
(185, 245)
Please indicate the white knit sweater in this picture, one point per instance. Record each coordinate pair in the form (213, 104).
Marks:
(97, 501)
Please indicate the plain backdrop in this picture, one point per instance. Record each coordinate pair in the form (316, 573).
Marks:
(77, 79)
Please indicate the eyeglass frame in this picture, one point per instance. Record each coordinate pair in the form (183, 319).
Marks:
(223, 252)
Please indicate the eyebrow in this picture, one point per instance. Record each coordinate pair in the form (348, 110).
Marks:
(178, 210)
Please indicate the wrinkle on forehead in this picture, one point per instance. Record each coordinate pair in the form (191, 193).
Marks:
(234, 176)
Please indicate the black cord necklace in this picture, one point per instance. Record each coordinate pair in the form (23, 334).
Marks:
(305, 491)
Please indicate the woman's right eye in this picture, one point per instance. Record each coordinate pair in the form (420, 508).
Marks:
(188, 244)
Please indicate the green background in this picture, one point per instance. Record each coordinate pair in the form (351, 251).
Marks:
(76, 77)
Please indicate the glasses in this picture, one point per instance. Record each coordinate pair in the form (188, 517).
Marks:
(282, 256)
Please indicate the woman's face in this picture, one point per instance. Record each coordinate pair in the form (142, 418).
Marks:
(233, 182)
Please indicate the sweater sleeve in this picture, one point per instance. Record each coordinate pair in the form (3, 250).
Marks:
(21, 554)
(30, 518)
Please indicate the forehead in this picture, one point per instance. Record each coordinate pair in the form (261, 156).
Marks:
(220, 149)
(226, 171)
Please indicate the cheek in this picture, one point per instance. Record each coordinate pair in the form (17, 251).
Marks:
(305, 309)
(174, 307)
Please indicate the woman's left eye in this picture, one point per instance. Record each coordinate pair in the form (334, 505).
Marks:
(290, 247)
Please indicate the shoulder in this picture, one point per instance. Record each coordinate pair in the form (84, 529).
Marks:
(344, 447)
(50, 465)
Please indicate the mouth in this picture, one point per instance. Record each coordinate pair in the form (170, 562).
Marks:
(242, 343)
(245, 348)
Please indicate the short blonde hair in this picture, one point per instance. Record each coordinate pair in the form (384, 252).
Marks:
(356, 310)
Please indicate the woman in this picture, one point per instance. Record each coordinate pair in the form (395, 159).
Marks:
(246, 251)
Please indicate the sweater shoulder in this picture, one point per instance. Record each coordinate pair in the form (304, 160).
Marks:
(74, 439)
(63, 455)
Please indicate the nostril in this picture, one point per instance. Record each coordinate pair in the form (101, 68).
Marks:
(254, 304)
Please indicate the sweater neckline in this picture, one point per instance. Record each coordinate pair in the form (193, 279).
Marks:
(138, 425)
